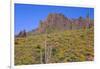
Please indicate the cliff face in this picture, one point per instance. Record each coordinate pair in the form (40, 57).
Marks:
(59, 22)
(56, 22)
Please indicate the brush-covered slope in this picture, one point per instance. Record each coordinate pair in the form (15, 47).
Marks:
(67, 46)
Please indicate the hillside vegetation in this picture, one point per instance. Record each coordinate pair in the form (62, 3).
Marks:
(56, 47)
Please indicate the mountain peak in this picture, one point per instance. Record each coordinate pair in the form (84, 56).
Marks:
(58, 22)
(55, 15)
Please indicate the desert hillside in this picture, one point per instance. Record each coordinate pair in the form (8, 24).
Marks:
(58, 39)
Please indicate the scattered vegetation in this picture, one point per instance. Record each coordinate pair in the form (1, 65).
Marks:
(56, 47)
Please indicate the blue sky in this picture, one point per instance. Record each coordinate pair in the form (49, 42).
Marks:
(28, 16)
